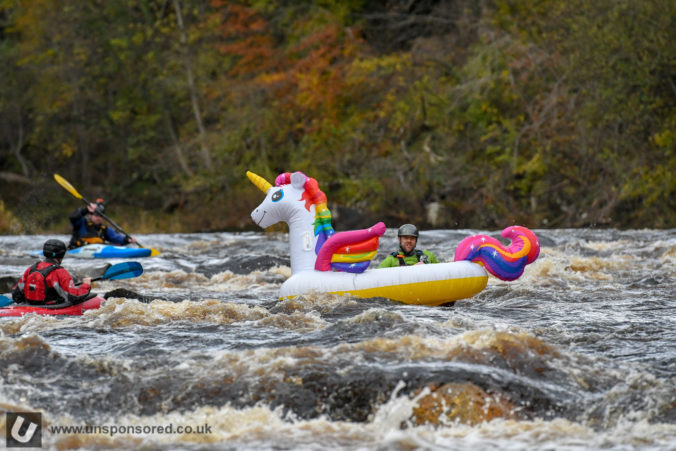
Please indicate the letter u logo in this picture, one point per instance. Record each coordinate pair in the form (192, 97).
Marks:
(23, 429)
(28, 433)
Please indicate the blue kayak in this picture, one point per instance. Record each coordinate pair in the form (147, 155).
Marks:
(105, 251)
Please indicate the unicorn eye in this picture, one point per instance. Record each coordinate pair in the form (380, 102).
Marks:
(277, 195)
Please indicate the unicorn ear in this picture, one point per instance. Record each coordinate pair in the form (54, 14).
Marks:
(298, 180)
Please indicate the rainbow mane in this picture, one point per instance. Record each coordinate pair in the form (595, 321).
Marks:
(506, 263)
(313, 196)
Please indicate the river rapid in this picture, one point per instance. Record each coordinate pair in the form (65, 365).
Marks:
(579, 353)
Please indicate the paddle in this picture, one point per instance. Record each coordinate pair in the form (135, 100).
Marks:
(71, 189)
(119, 271)
(128, 294)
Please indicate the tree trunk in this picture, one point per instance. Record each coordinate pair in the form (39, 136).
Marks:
(206, 157)
(19, 146)
(177, 146)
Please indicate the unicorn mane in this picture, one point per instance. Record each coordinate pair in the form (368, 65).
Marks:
(313, 196)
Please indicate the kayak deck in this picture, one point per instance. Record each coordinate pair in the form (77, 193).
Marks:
(73, 310)
(108, 251)
(105, 251)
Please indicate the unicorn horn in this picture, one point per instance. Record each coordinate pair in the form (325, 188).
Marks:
(259, 181)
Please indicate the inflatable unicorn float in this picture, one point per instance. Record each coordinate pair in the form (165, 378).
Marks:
(329, 262)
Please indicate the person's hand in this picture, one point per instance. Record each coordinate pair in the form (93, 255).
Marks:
(133, 240)
(91, 208)
(87, 280)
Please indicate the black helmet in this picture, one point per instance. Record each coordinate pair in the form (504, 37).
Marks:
(100, 207)
(408, 230)
(54, 249)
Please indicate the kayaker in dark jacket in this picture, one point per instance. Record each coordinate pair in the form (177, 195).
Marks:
(407, 254)
(46, 282)
(89, 228)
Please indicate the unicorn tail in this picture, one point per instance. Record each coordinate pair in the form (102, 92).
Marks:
(506, 263)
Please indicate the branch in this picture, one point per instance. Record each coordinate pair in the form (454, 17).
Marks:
(14, 178)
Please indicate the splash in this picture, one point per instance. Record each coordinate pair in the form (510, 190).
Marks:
(506, 263)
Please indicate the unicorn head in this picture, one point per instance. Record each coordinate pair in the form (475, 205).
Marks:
(296, 200)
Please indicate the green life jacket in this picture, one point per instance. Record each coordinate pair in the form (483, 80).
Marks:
(418, 253)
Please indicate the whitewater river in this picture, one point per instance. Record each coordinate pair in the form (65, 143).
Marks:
(579, 353)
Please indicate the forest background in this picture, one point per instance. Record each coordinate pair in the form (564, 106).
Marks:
(448, 114)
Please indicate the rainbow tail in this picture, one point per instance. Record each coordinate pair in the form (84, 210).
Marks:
(506, 263)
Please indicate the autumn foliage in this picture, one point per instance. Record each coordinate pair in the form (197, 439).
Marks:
(445, 114)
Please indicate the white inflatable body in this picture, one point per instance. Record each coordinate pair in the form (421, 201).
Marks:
(419, 284)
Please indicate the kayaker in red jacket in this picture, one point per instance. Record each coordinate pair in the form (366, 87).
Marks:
(47, 282)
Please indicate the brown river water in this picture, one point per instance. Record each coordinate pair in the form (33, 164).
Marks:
(199, 354)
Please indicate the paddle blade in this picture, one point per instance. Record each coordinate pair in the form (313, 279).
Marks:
(67, 186)
(5, 301)
(125, 270)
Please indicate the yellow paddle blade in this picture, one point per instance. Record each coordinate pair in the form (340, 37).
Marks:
(259, 181)
(68, 187)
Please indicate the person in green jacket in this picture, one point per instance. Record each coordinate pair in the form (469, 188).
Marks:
(407, 254)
